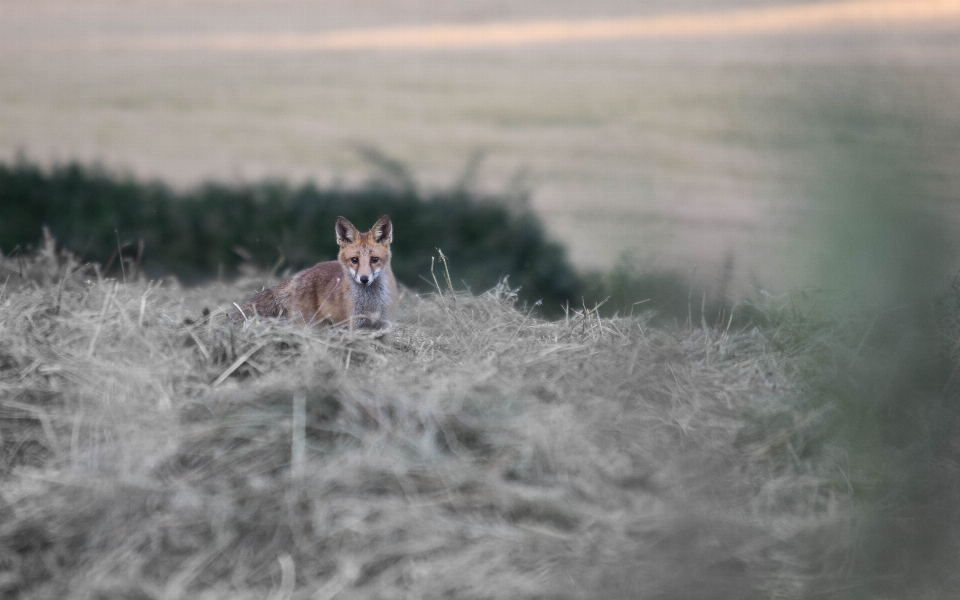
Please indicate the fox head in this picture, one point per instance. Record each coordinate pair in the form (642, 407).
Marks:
(365, 255)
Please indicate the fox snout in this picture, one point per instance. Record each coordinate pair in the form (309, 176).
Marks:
(364, 274)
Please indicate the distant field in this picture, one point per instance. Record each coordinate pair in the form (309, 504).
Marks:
(689, 153)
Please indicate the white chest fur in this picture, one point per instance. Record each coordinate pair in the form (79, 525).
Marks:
(371, 303)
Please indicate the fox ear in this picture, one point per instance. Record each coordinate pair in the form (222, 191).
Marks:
(382, 230)
(346, 232)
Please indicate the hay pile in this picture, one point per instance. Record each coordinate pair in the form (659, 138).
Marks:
(149, 451)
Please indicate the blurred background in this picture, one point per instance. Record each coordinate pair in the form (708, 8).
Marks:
(687, 137)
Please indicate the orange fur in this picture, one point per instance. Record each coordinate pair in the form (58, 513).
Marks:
(358, 289)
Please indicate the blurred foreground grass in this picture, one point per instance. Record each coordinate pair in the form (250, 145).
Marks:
(889, 382)
(477, 452)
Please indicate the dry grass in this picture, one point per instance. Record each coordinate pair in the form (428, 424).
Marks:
(148, 452)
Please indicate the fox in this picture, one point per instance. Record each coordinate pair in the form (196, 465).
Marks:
(357, 290)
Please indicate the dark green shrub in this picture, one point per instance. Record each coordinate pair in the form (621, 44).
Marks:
(208, 230)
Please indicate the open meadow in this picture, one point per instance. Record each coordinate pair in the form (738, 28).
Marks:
(151, 451)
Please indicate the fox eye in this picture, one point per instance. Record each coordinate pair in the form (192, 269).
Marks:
(354, 260)
(374, 259)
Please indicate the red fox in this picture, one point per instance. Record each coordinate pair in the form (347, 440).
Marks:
(357, 289)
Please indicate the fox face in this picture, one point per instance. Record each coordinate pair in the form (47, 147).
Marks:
(365, 256)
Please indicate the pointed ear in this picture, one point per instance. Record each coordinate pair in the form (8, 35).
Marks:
(346, 232)
(382, 230)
